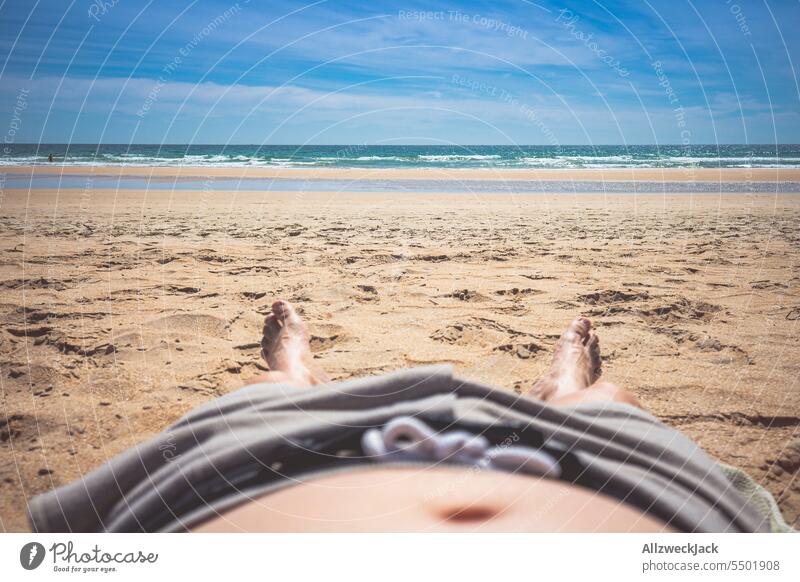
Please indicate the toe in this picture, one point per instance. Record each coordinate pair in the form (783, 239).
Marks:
(578, 330)
(288, 315)
(270, 335)
(281, 308)
(272, 324)
(593, 342)
(285, 311)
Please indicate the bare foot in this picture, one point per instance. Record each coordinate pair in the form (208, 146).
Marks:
(576, 362)
(285, 346)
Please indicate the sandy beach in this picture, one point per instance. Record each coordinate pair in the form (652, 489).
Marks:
(122, 310)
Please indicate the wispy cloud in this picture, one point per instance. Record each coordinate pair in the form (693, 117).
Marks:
(296, 70)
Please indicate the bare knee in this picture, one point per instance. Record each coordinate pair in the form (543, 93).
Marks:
(271, 378)
(600, 391)
(615, 393)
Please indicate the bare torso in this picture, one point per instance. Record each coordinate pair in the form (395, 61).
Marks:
(432, 499)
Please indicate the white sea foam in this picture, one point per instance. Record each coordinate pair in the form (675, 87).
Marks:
(457, 157)
(509, 158)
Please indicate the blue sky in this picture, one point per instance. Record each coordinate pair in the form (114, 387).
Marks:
(506, 72)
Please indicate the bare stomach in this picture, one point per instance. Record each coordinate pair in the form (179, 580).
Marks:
(432, 499)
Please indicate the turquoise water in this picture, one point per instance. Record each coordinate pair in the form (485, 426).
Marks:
(380, 156)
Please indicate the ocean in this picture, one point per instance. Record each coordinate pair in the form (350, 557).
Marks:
(416, 156)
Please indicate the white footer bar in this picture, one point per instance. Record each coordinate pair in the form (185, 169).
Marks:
(399, 557)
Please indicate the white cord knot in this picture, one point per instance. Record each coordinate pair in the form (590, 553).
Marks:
(408, 439)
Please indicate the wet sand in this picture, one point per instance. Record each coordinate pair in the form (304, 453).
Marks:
(122, 310)
(503, 174)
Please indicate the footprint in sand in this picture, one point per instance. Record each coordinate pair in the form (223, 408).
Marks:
(477, 331)
(325, 336)
(766, 284)
(253, 295)
(465, 295)
(177, 330)
(728, 353)
(609, 296)
(517, 292)
(35, 375)
(177, 290)
(16, 428)
(523, 351)
(367, 293)
(192, 323)
(453, 334)
(787, 461)
(683, 308)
